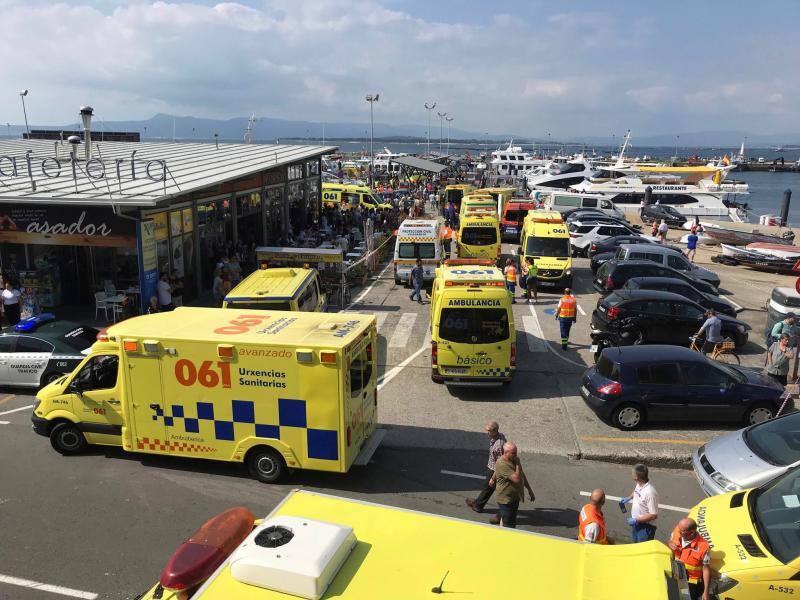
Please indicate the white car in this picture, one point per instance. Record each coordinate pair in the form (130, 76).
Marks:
(582, 234)
(749, 457)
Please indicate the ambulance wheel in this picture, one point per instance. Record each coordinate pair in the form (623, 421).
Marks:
(67, 439)
(266, 464)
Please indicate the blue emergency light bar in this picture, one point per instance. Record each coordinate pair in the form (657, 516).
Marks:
(31, 323)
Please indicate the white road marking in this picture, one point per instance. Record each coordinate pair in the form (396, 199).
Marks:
(580, 310)
(5, 422)
(381, 316)
(46, 587)
(363, 294)
(460, 474)
(664, 506)
(549, 347)
(533, 334)
(394, 372)
(402, 332)
(13, 410)
(736, 306)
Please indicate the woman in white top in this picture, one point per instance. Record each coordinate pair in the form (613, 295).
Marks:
(11, 303)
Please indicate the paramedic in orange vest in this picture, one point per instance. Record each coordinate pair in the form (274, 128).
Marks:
(566, 313)
(511, 279)
(692, 550)
(591, 522)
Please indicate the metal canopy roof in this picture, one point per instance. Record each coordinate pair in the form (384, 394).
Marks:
(131, 174)
(419, 163)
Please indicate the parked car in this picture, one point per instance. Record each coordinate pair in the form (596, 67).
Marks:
(633, 385)
(582, 214)
(749, 457)
(680, 287)
(613, 274)
(583, 233)
(658, 212)
(661, 317)
(668, 257)
(599, 259)
(610, 244)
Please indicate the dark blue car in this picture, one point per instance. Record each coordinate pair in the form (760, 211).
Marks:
(631, 385)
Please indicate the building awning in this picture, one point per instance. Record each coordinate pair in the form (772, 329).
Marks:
(419, 164)
(127, 174)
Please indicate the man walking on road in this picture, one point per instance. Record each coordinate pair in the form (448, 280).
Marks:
(644, 506)
(416, 276)
(692, 550)
(566, 315)
(591, 521)
(510, 482)
(496, 441)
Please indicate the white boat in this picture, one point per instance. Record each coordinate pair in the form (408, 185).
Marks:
(513, 161)
(383, 162)
(562, 172)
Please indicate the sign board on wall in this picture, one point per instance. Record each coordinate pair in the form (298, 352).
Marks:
(65, 226)
(148, 262)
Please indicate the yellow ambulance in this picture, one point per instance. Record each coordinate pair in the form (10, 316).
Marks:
(755, 539)
(501, 196)
(476, 203)
(315, 545)
(455, 192)
(347, 196)
(473, 340)
(278, 289)
(545, 238)
(275, 390)
(479, 237)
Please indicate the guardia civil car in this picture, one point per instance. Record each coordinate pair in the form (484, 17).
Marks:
(39, 350)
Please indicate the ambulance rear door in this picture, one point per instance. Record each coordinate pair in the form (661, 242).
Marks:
(145, 397)
(360, 395)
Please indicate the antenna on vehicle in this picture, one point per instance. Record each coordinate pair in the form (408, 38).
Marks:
(438, 588)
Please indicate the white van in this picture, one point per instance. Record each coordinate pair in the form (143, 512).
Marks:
(417, 239)
(562, 201)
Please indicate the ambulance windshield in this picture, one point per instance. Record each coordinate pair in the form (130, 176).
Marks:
(775, 508)
(478, 236)
(473, 325)
(256, 305)
(547, 246)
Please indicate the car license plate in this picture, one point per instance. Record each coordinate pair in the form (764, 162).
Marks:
(584, 390)
(593, 348)
(511, 229)
(601, 308)
(456, 370)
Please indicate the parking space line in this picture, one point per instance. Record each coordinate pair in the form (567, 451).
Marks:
(46, 587)
(363, 294)
(5, 422)
(632, 440)
(736, 306)
(460, 474)
(395, 371)
(13, 410)
(7, 398)
(533, 334)
(580, 310)
(402, 332)
(679, 509)
(547, 344)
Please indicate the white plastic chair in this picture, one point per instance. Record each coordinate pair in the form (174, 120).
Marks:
(100, 304)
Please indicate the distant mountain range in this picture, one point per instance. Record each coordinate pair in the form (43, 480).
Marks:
(163, 126)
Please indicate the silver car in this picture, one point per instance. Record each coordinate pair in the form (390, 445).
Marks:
(749, 457)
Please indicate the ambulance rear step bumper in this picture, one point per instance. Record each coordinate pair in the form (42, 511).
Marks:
(474, 383)
(369, 447)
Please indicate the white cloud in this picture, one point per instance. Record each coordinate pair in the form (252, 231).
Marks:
(550, 88)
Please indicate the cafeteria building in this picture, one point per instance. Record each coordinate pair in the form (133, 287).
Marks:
(75, 219)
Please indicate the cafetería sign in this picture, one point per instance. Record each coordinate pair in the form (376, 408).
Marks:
(35, 167)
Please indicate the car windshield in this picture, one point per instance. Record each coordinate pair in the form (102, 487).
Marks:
(474, 325)
(775, 510)
(776, 441)
(612, 299)
(80, 338)
(256, 305)
(547, 246)
(478, 236)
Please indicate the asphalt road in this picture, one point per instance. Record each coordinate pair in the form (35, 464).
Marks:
(103, 524)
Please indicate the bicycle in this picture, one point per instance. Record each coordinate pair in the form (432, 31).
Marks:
(724, 351)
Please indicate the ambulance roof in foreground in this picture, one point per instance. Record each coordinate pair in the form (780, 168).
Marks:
(403, 554)
(273, 284)
(233, 326)
(472, 272)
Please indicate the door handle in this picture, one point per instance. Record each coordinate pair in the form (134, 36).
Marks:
(155, 406)
(112, 401)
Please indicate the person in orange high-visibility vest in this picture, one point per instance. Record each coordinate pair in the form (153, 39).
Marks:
(566, 314)
(591, 522)
(692, 550)
(511, 279)
(446, 235)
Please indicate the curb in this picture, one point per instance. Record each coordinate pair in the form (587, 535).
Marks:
(667, 462)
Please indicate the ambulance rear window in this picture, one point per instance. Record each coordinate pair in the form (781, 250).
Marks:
(253, 305)
(416, 250)
(473, 325)
(514, 215)
(360, 372)
(478, 236)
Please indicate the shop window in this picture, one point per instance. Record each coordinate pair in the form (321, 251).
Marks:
(294, 172)
(312, 168)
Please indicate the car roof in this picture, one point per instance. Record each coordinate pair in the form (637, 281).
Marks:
(655, 248)
(614, 238)
(661, 280)
(648, 353)
(598, 222)
(47, 330)
(650, 295)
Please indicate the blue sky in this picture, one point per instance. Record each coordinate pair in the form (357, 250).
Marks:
(570, 68)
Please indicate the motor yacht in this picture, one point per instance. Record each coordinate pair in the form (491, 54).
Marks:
(513, 161)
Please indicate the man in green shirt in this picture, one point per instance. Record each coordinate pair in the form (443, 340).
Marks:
(510, 484)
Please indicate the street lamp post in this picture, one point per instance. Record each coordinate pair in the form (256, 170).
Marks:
(429, 108)
(486, 143)
(677, 139)
(22, 95)
(548, 143)
(449, 120)
(442, 115)
(371, 99)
